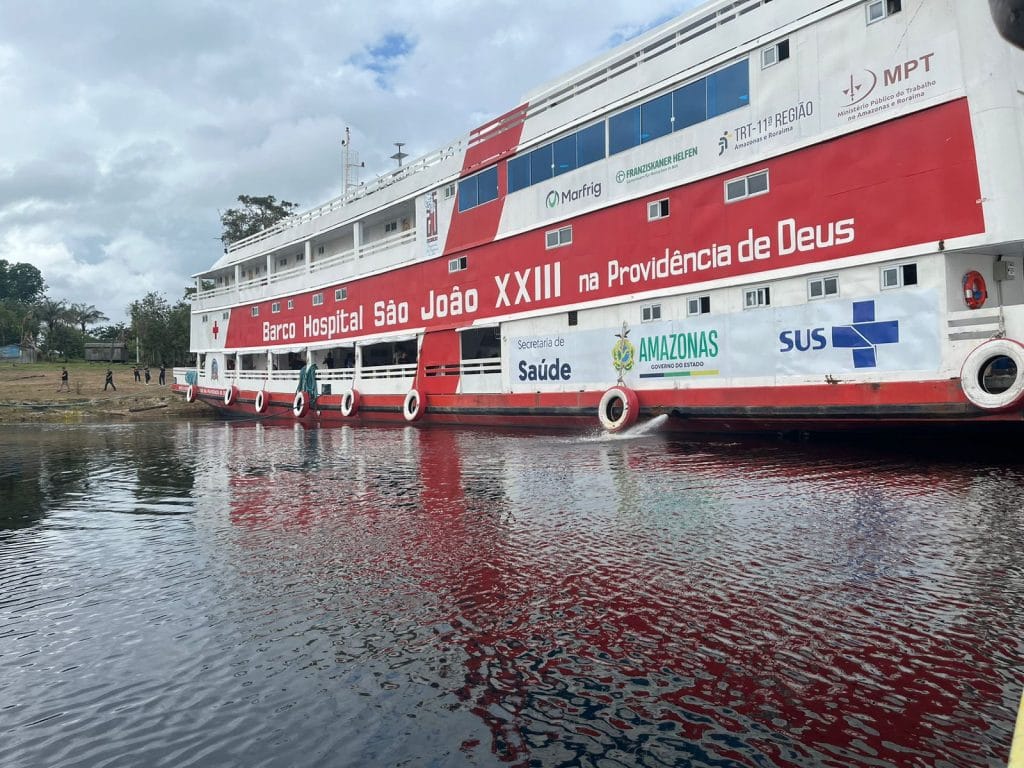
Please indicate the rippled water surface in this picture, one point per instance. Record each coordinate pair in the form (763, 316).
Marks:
(243, 595)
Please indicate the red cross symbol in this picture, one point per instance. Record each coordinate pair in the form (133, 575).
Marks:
(216, 330)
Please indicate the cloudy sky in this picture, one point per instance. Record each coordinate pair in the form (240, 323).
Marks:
(127, 125)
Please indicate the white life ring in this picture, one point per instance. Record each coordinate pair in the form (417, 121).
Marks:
(191, 393)
(261, 402)
(349, 402)
(300, 405)
(230, 395)
(619, 409)
(977, 369)
(414, 406)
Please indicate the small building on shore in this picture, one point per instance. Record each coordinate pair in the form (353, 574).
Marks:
(106, 352)
(16, 353)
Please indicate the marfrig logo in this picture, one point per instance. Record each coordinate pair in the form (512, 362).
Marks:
(554, 197)
(859, 88)
(862, 337)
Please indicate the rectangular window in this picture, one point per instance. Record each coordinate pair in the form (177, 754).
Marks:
(275, 307)
(590, 145)
(573, 317)
(690, 104)
(698, 305)
(479, 189)
(624, 130)
(746, 186)
(556, 238)
(318, 299)
(300, 257)
(224, 315)
(449, 191)
(879, 9)
(390, 226)
(206, 318)
(756, 297)
(657, 209)
(822, 287)
(283, 262)
(728, 89)
(540, 164)
(518, 173)
(897, 277)
(564, 155)
(291, 303)
(656, 118)
(320, 250)
(340, 294)
(773, 54)
(255, 312)
(458, 264)
(650, 312)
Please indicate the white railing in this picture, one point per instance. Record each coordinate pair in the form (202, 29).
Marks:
(404, 371)
(333, 260)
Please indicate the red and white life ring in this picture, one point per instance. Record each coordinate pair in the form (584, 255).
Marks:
(414, 406)
(230, 395)
(619, 409)
(300, 405)
(975, 291)
(261, 402)
(986, 374)
(191, 393)
(349, 402)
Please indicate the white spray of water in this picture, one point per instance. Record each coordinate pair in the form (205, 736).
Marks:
(640, 429)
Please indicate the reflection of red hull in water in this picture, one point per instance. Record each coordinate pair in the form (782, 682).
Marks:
(563, 654)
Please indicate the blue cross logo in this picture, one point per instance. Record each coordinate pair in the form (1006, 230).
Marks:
(864, 335)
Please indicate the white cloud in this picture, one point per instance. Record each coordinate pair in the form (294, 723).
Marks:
(119, 144)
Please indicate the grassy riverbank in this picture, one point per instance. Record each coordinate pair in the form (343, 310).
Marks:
(28, 393)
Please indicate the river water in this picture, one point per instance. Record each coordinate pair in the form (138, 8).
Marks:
(223, 594)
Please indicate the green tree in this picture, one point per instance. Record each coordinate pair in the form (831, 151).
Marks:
(53, 314)
(85, 314)
(255, 215)
(162, 330)
(21, 282)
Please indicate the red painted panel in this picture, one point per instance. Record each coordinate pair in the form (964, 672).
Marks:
(440, 349)
(907, 182)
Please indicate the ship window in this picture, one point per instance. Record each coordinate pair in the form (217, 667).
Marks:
(340, 294)
(283, 262)
(746, 186)
(255, 311)
(879, 9)
(224, 315)
(757, 297)
(320, 250)
(556, 238)
(518, 173)
(540, 164)
(564, 155)
(590, 145)
(650, 312)
(656, 118)
(773, 54)
(478, 189)
(624, 130)
(728, 89)
(574, 317)
(898, 276)
(291, 303)
(390, 226)
(275, 307)
(657, 209)
(822, 287)
(300, 257)
(698, 305)
(458, 264)
(206, 318)
(690, 104)
(318, 299)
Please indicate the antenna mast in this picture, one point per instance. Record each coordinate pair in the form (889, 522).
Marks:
(350, 160)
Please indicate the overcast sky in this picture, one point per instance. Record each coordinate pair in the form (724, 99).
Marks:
(126, 125)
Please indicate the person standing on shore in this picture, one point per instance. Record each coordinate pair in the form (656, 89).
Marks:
(109, 381)
(147, 375)
(135, 372)
(64, 380)
(163, 374)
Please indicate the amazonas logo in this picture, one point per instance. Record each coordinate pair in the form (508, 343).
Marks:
(862, 337)
(555, 197)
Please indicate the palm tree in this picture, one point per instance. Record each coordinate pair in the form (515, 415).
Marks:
(86, 314)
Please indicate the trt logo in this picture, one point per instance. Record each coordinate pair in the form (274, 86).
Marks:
(862, 337)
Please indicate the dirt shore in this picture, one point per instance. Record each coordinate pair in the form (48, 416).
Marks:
(28, 393)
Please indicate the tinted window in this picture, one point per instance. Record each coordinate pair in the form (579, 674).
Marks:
(690, 104)
(518, 173)
(565, 154)
(540, 164)
(656, 118)
(468, 197)
(728, 89)
(590, 144)
(487, 185)
(624, 130)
